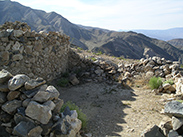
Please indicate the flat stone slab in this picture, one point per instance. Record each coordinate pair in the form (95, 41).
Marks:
(174, 108)
(17, 81)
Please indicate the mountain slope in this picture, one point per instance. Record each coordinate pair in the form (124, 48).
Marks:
(178, 43)
(127, 44)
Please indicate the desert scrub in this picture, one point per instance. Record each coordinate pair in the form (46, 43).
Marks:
(170, 81)
(63, 82)
(155, 82)
(81, 115)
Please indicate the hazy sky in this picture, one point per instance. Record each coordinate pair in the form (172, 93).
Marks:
(116, 14)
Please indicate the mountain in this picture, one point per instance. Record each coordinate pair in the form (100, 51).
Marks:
(168, 34)
(128, 44)
(178, 43)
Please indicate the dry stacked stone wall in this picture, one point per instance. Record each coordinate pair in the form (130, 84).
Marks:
(35, 54)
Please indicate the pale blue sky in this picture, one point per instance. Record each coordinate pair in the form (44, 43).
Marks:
(116, 14)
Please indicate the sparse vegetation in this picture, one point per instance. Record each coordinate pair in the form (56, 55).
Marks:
(99, 53)
(81, 115)
(155, 82)
(170, 81)
(63, 82)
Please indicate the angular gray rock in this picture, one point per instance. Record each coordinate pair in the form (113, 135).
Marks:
(13, 95)
(17, 81)
(173, 133)
(54, 94)
(177, 123)
(11, 106)
(174, 108)
(41, 96)
(32, 83)
(4, 76)
(39, 112)
(73, 80)
(154, 131)
(23, 128)
(35, 132)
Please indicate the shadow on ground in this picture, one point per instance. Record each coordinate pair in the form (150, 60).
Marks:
(102, 104)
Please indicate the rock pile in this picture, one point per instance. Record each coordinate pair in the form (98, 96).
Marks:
(168, 128)
(30, 108)
(35, 54)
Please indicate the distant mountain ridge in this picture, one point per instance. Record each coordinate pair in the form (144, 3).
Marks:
(127, 44)
(165, 35)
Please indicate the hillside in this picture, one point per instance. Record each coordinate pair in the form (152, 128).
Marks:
(178, 43)
(126, 44)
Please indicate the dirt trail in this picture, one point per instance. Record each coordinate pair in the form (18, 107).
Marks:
(114, 111)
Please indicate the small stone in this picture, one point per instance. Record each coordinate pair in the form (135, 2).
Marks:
(18, 33)
(13, 95)
(16, 46)
(17, 57)
(33, 92)
(166, 86)
(41, 96)
(67, 111)
(154, 131)
(59, 103)
(4, 76)
(32, 83)
(74, 114)
(26, 102)
(73, 80)
(54, 94)
(35, 132)
(17, 81)
(50, 104)
(11, 106)
(2, 97)
(177, 123)
(173, 133)
(4, 88)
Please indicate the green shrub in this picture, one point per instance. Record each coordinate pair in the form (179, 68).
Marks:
(81, 115)
(170, 81)
(155, 82)
(63, 82)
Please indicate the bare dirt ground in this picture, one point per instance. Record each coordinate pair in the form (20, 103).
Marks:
(114, 111)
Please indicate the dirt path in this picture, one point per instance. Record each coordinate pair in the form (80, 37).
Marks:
(114, 111)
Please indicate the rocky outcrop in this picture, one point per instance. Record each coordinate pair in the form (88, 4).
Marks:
(31, 108)
(35, 54)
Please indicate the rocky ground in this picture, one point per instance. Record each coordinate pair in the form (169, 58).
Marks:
(113, 111)
(116, 109)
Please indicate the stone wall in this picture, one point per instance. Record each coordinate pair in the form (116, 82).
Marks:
(35, 54)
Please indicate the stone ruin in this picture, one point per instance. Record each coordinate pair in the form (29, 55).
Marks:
(31, 108)
(35, 54)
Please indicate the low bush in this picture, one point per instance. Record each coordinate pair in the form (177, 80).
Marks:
(81, 115)
(63, 82)
(170, 81)
(155, 82)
